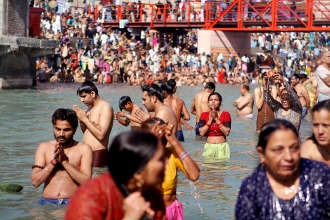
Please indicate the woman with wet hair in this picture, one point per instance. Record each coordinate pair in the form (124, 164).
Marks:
(129, 190)
(284, 185)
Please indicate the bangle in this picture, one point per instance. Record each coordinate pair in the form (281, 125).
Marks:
(184, 156)
(54, 164)
(207, 124)
(47, 170)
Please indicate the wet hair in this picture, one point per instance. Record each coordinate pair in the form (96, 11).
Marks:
(167, 87)
(303, 76)
(128, 154)
(246, 87)
(295, 75)
(217, 94)
(270, 127)
(65, 115)
(87, 87)
(154, 90)
(123, 101)
(149, 123)
(210, 85)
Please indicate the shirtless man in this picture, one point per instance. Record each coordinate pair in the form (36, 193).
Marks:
(129, 57)
(265, 113)
(200, 103)
(244, 103)
(153, 100)
(121, 69)
(62, 164)
(126, 103)
(317, 147)
(176, 104)
(323, 79)
(302, 93)
(96, 123)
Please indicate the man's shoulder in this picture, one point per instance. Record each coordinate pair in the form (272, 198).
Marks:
(47, 144)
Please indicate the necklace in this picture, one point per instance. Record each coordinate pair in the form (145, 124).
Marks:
(289, 190)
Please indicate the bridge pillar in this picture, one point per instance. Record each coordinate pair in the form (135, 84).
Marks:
(17, 51)
(225, 42)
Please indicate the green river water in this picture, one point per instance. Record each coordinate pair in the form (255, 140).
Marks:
(25, 121)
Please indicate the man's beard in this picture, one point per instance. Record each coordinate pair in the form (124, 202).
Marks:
(64, 141)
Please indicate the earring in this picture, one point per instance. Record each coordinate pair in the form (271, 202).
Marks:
(140, 183)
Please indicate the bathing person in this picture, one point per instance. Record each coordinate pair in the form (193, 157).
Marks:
(96, 123)
(244, 103)
(62, 164)
(129, 190)
(153, 100)
(215, 125)
(125, 103)
(289, 108)
(317, 147)
(176, 104)
(200, 104)
(302, 94)
(177, 158)
(285, 185)
(265, 113)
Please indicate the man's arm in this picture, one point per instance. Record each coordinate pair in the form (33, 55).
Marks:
(186, 115)
(193, 108)
(304, 92)
(85, 173)
(40, 174)
(258, 98)
(246, 100)
(106, 119)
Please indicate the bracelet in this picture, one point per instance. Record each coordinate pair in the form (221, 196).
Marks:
(37, 166)
(54, 164)
(47, 170)
(184, 156)
(207, 124)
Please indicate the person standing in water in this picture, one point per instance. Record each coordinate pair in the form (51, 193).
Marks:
(62, 164)
(125, 103)
(176, 104)
(200, 104)
(244, 103)
(265, 113)
(215, 125)
(96, 123)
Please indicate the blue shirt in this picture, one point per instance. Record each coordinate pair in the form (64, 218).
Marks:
(256, 199)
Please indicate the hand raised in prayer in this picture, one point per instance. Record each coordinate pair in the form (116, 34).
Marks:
(141, 115)
(59, 154)
(81, 114)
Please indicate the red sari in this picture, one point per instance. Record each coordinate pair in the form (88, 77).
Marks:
(100, 198)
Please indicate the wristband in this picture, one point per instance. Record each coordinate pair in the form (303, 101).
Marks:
(52, 163)
(184, 156)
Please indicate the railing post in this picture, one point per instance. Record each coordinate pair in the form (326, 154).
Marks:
(140, 12)
(119, 12)
(188, 10)
(165, 8)
(274, 14)
(152, 16)
(96, 13)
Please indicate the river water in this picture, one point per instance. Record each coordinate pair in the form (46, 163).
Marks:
(25, 121)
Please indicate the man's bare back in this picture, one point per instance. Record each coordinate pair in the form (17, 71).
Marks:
(303, 94)
(200, 104)
(177, 106)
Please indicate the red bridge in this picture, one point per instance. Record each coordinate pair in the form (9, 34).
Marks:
(230, 15)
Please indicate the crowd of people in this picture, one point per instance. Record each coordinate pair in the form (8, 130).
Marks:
(292, 180)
